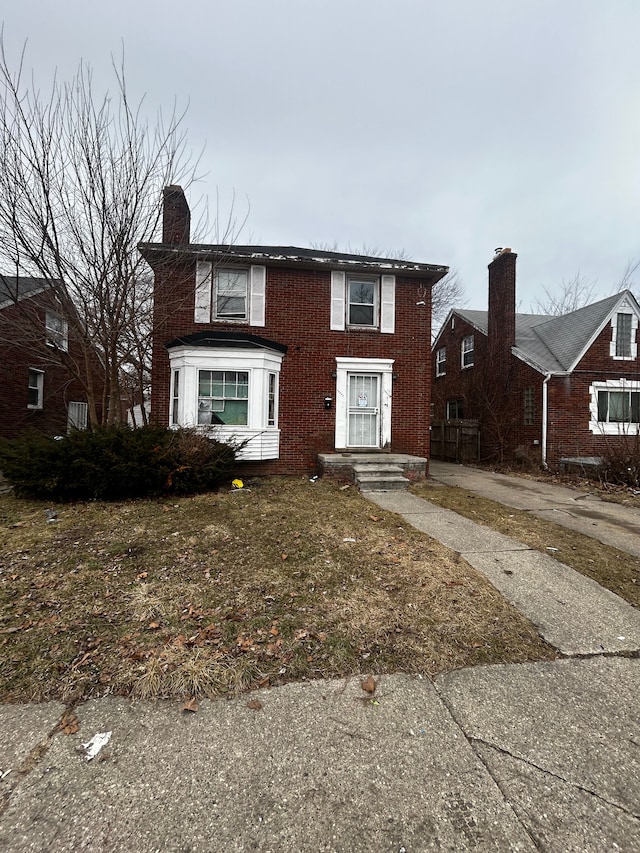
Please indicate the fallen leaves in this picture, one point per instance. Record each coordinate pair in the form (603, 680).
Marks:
(69, 723)
(369, 685)
(254, 705)
(191, 705)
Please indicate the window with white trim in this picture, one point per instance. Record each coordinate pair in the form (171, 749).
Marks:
(441, 361)
(467, 354)
(35, 389)
(615, 407)
(229, 393)
(623, 339)
(175, 398)
(77, 416)
(56, 331)
(230, 294)
(223, 397)
(363, 296)
(362, 302)
(272, 399)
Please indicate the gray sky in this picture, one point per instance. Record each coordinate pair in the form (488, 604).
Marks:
(443, 128)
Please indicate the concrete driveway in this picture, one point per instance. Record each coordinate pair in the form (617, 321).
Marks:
(581, 510)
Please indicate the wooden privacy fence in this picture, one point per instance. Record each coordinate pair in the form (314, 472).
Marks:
(455, 441)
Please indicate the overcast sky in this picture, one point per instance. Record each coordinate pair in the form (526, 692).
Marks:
(445, 129)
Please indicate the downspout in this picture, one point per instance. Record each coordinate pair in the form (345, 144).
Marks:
(545, 414)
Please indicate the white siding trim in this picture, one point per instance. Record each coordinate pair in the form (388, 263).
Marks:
(202, 309)
(257, 288)
(337, 301)
(388, 304)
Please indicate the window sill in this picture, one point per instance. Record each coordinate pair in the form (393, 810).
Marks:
(362, 328)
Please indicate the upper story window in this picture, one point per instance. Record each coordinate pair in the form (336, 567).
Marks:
(441, 361)
(35, 389)
(362, 302)
(467, 352)
(229, 294)
(623, 339)
(56, 331)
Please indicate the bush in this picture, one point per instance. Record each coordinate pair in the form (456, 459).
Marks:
(621, 462)
(115, 463)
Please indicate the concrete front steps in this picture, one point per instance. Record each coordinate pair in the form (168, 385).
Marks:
(379, 478)
(380, 472)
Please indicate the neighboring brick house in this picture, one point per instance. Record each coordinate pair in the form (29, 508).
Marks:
(548, 388)
(296, 351)
(39, 393)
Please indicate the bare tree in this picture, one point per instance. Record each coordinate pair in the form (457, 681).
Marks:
(574, 293)
(447, 293)
(80, 180)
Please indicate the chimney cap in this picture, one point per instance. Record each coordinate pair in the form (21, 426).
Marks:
(501, 251)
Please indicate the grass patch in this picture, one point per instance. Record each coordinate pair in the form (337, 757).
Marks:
(220, 593)
(613, 569)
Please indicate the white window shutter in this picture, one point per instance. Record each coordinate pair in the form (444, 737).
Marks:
(337, 300)
(202, 311)
(257, 286)
(388, 304)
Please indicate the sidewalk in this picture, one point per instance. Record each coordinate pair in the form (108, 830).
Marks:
(538, 756)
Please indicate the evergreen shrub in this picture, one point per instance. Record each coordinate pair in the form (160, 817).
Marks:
(115, 463)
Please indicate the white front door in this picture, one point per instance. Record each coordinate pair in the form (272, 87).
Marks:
(363, 410)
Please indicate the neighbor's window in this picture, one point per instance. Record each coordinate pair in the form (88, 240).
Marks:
(528, 407)
(57, 331)
(35, 391)
(223, 397)
(467, 353)
(77, 416)
(454, 410)
(363, 301)
(231, 288)
(441, 361)
(619, 407)
(623, 335)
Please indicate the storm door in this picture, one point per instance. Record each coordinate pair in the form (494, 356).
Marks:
(364, 410)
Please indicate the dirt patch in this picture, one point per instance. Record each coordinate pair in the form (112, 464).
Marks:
(219, 593)
(615, 570)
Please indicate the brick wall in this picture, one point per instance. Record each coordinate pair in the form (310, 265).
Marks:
(60, 388)
(297, 315)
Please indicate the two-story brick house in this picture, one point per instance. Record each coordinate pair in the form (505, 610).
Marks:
(293, 351)
(39, 392)
(550, 388)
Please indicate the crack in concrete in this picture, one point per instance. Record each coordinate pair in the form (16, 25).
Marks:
(474, 740)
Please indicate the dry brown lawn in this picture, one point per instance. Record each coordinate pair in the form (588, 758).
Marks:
(220, 593)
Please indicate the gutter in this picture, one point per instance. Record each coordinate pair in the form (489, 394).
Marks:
(545, 414)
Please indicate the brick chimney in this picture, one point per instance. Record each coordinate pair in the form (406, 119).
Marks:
(176, 216)
(502, 306)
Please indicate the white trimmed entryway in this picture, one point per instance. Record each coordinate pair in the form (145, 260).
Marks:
(363, 403)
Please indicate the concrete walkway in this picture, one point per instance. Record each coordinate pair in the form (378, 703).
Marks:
(540, 756)
(580, 510)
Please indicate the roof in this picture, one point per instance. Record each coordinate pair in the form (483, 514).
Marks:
(556, 344)
(13, 289)
(288, 255)
(214, 338)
